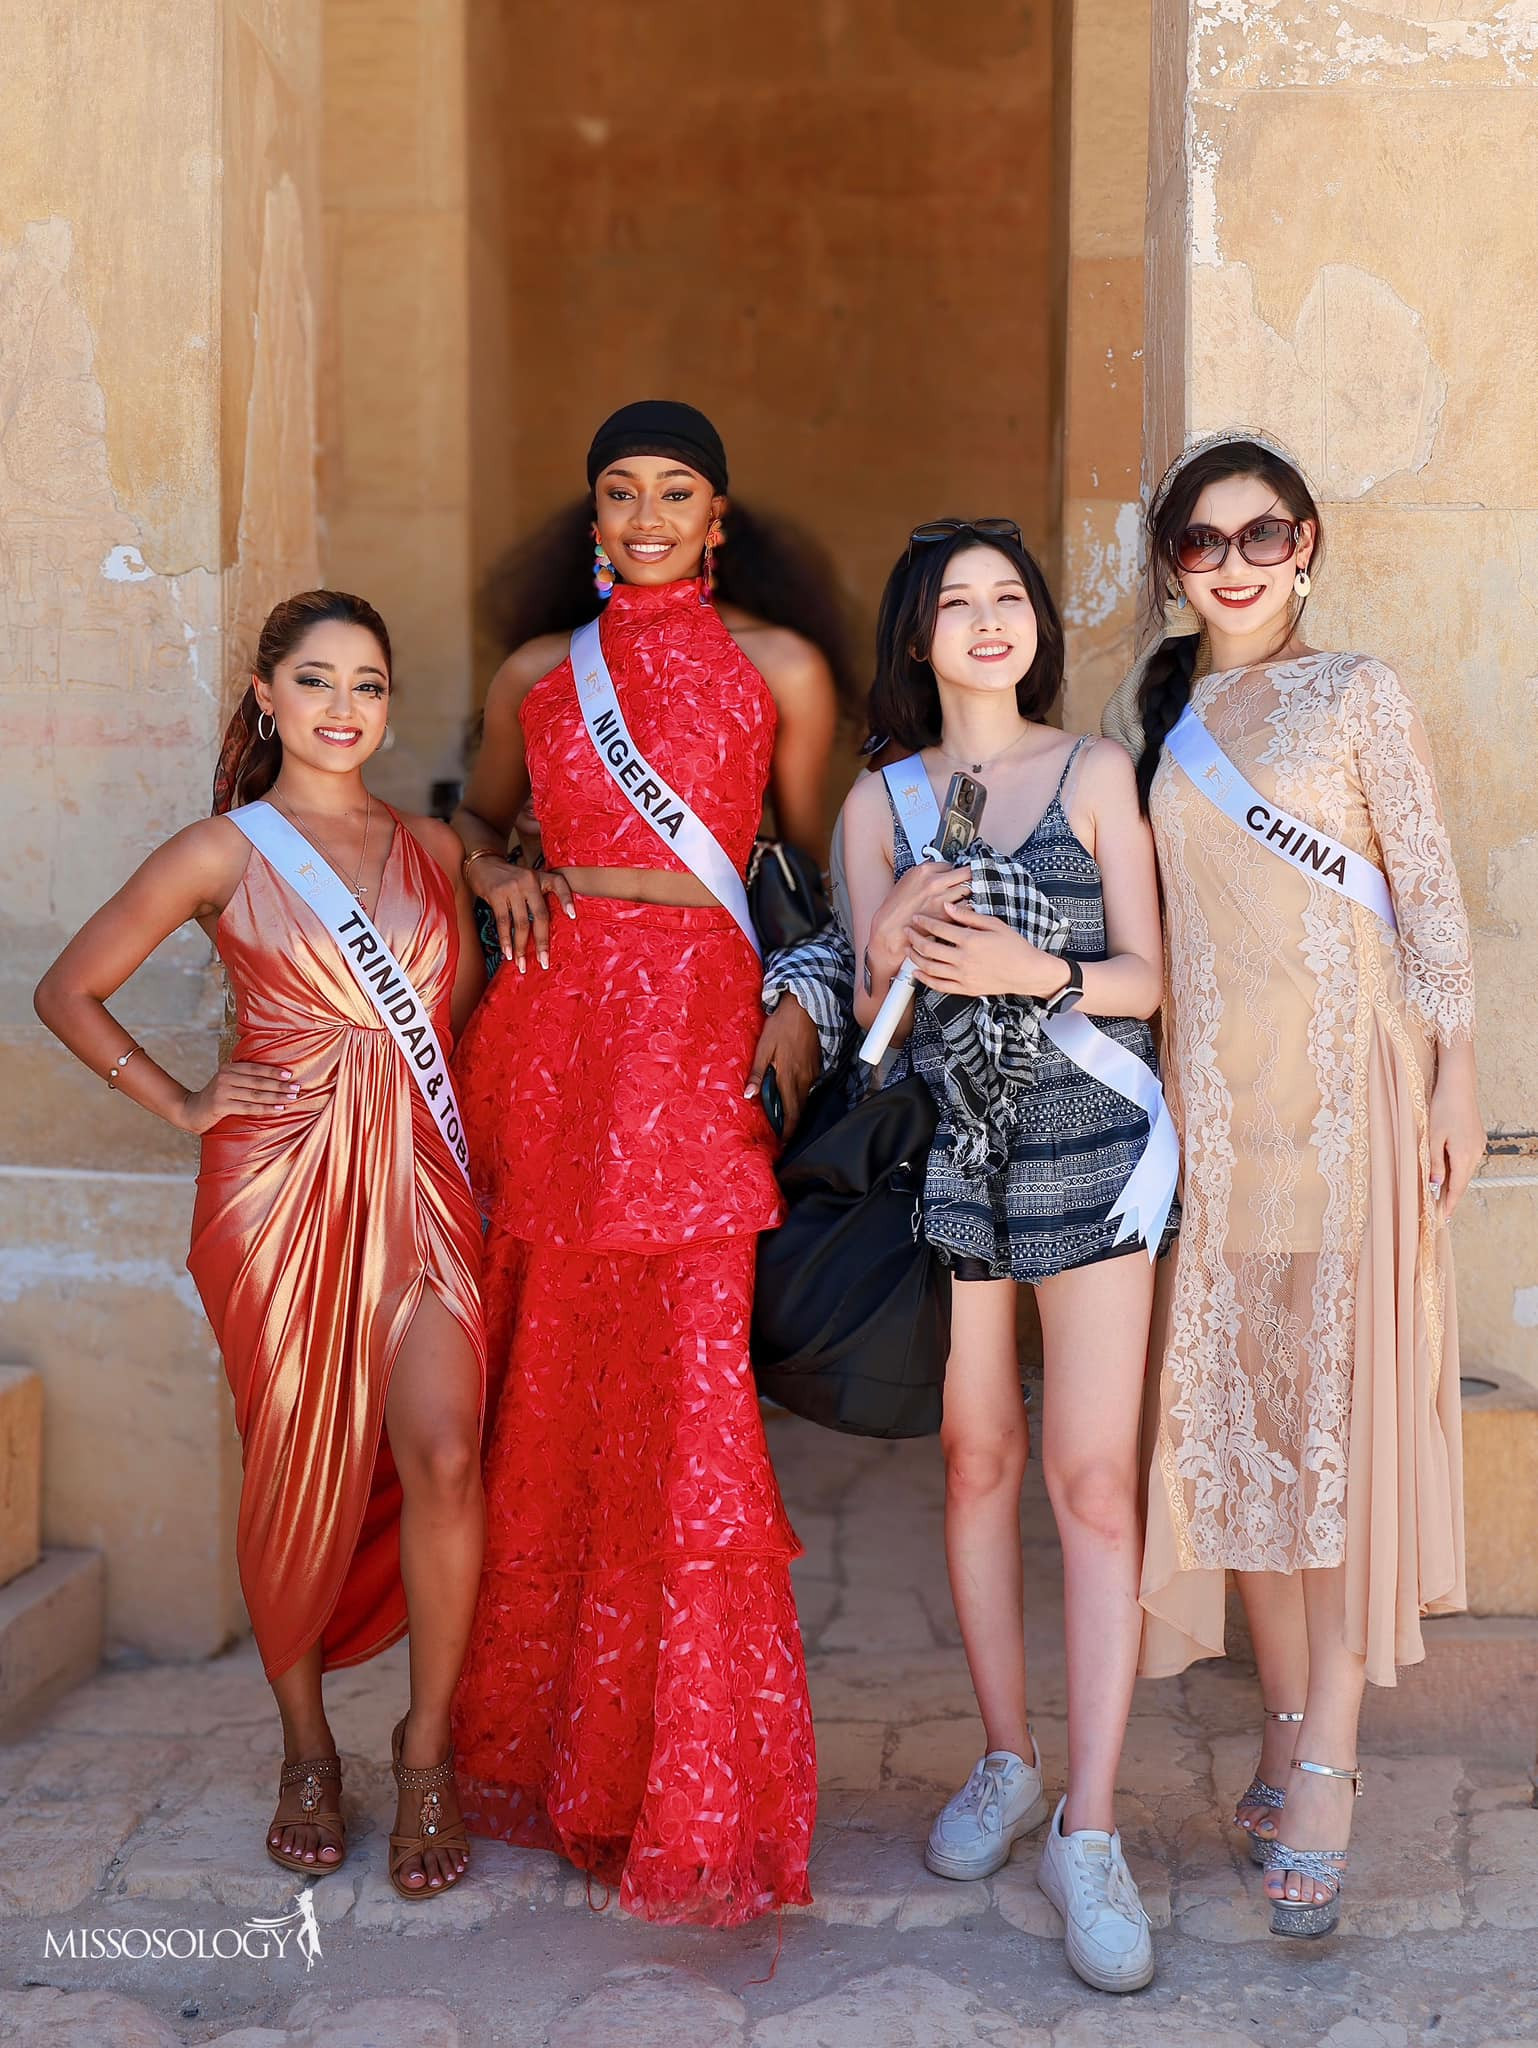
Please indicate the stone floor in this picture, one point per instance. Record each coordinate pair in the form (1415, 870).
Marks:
(137, 1811)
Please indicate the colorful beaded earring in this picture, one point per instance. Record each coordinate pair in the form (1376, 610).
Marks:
(712, 542)
(603, 571)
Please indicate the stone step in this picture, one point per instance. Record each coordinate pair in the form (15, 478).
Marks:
(21, 1470)
(1500, 1492)
(50, 1633)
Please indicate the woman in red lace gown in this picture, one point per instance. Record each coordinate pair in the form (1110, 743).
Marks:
(635, 1692)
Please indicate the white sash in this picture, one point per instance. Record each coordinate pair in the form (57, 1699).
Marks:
(1143, 1206)
(915, 804)
(1324, 859)
(374, 967)
(659, 804)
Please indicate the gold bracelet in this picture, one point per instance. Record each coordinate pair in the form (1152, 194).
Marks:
(118, 1065)
(480, 853)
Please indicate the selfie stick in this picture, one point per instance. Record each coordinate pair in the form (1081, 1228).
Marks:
(955, 828)
(893, 1010)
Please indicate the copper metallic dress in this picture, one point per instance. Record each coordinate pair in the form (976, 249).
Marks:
(634, 1695)
(316, 1229)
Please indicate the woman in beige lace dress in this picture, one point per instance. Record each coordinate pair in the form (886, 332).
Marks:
(1319, 1063)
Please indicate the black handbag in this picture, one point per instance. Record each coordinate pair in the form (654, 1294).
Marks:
(852, 1309)
(785, 894)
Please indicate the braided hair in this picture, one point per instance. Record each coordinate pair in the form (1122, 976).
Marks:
(1165, 689)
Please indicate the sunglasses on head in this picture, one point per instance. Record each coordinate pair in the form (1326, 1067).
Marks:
(946, 529)
(1264, 544)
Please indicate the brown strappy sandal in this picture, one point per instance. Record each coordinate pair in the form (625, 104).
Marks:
(433, 1831)
(312, 1777)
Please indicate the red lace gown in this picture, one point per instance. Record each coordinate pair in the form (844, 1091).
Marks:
(635, 1691)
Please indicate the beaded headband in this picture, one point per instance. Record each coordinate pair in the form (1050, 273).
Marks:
(1222, 438)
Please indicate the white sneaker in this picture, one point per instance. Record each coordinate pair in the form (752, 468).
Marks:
(1106, 1930)
(977, 1829)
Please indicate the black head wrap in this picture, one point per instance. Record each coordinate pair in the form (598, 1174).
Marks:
(659, 426)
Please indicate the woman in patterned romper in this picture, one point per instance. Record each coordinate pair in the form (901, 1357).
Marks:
(969, 662)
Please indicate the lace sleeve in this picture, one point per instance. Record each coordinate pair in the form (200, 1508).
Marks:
(1394, 762)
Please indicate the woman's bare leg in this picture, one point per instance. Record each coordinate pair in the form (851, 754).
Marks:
(432, 1416)
(306, 1735)
(1319, 1810)
(1094, 1325)
(1273, 1606)
(984, 1439)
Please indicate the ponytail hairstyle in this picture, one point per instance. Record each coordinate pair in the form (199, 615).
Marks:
(1168, 669)
(766, 566)
(248, 762)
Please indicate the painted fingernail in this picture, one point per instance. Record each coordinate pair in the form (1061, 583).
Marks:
(523, 967)
(569, 910)
(544, 959)
(288, 1073)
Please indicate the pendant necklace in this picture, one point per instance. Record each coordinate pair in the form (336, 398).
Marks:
(977, 767)
(358, 889)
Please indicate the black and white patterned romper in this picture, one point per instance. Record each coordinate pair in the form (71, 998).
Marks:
(1046, 1212)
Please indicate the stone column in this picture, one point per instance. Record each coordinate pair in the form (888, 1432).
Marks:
(1340, 249)
(395, 414)
(1103, 162)
(157, 255)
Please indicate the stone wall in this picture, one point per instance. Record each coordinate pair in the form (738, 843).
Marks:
(830, 226)
(158, 286)
(1341, 248)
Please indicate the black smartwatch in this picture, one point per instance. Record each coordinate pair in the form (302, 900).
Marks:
(1069, 993)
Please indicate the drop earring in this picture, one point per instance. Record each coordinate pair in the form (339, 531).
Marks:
(712, 542)
(1302, 583)
(1177, 595)
(388, 741)
(603, 570)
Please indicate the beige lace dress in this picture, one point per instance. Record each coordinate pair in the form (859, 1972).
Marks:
(1306, 1407)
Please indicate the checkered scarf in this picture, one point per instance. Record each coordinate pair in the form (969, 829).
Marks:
(991, 1041)
(819, 973)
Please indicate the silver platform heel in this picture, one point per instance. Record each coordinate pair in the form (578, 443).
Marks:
(1262, 1794)
(1325, 1866)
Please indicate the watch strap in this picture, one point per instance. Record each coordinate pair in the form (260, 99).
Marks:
(1071, 990)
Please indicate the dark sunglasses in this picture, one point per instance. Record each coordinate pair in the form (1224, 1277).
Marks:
(1264, 544)
(946, 529)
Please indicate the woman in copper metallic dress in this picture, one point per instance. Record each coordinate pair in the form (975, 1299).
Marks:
(335, 1243)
